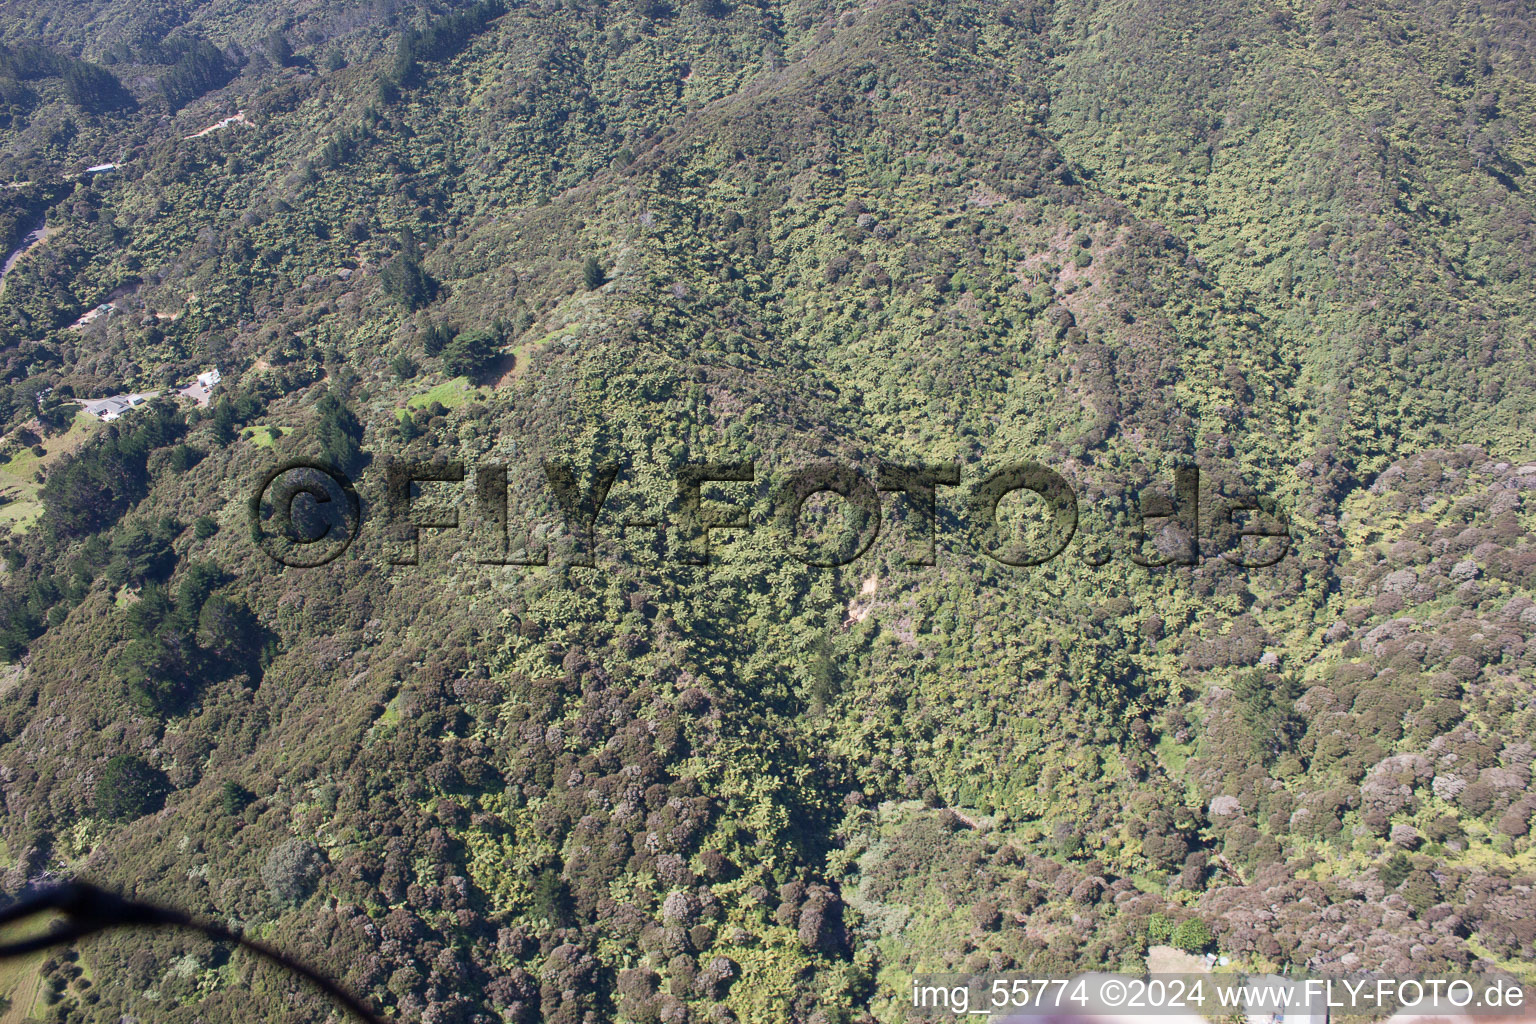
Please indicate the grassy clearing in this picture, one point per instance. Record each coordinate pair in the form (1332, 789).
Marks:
(387, 720)
(21, 978)
(451, 393)
(391, 715)
(522, 352)
(262, 436)
(21, 508)
(1173, 754)
(19, 504)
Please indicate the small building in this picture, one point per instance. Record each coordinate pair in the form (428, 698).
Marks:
(201, 389)
(112, 408)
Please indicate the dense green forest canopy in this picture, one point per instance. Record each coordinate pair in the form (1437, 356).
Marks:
(1182, 254)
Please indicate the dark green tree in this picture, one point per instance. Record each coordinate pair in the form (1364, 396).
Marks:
(279, 50)
(202, 68)
(223, 420)
(95, 89)
(184, 457)
(141, 551)
(552, 898)
(227, 629)
(158, 671)
(592, 274)
(93, 487)
(436, 338)
(1268, 707)
(339, 433)
(404, 279)
(235, 797)
(470, 353)
(130, 788)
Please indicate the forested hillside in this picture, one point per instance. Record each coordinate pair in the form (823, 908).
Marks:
(1289, 246)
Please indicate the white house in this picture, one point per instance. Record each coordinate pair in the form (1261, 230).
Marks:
(112, 408)
(208, 378)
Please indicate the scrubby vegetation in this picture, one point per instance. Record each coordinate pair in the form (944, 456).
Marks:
(576, 773)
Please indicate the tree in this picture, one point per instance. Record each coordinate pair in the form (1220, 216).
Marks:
(436, 338)
(1268, 707)
(158, 669)
(224, 420)
(1192, 936)
(338, 431)
(55, 414)
(292, 869)
(551, 898)
(142, 551)
(95, 89)
(404, 279)
(130, 788)
(278, 48)
(234, 797)
(197, 585)
(163, 662)
(1395, 870)
(441, 38)
(202, 68)
(1420, 890)
(184, 457)
(470, 353)
(403, 69)
(592, 274)
(95, 485)
(227, 629)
